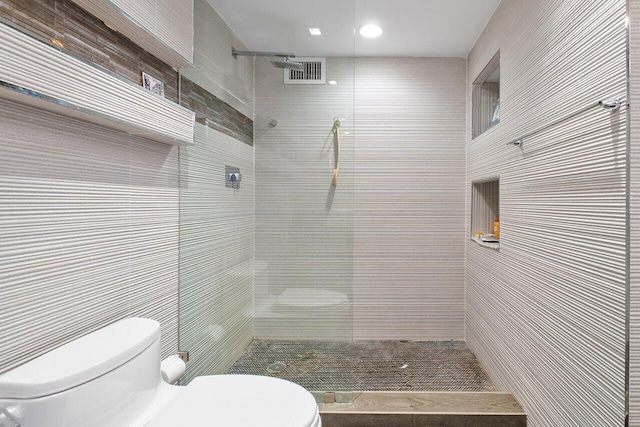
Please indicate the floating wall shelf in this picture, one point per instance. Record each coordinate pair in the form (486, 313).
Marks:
(38, 74)
(163, 28)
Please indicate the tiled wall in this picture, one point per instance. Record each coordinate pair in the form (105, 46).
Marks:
(304, 225)
(409, 198)
(216, 252)
(88, 37)
(215, 70)
(162, 27)
(216, 222)
(546, 313)
(90, 216)
(89, 225)
(219, 115)
(390, 235)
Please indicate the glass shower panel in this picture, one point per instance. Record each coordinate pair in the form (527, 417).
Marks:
(304, 224)
(216, 251)
(266, 264)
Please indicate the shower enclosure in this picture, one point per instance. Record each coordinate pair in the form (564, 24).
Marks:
(271, 272)
(266, 263)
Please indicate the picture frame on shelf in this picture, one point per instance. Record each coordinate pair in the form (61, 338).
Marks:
(153, 84)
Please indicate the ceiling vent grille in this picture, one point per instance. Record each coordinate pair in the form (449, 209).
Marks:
(313, 73)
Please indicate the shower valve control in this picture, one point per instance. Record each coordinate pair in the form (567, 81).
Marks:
(232, 177)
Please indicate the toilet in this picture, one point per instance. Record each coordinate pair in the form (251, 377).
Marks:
(111, 378)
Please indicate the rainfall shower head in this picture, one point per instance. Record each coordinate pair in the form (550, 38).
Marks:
(288, 64)
(285, 63)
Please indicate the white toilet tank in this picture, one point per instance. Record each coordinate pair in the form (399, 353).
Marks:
(105, 379)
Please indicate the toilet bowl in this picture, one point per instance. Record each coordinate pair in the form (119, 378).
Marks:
(111, 378)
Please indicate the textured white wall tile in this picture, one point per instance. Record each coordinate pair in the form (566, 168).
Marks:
(162, 27)
(546, 314)
(89, 225)
(409, 198)
(33, 65)
(304, 226)
(216, 252)
(215, 69)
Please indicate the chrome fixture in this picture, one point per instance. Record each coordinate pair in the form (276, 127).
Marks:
(272, 122)
(517, 143)
(611, 104)
(286, 63)
(232, 178)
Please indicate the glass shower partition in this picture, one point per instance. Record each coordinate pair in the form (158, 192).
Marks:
(303, 267)
(266, 262)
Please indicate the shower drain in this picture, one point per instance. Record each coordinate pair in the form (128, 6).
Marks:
(276, 367)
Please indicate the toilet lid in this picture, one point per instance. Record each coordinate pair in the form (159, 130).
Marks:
(239, 401)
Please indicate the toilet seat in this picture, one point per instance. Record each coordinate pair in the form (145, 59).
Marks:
(239, 401)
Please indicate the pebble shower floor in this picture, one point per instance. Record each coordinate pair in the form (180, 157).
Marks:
(367, 365)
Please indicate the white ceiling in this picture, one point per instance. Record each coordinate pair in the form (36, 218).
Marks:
(440, 28)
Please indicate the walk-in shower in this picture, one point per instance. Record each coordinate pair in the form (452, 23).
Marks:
(269, 270)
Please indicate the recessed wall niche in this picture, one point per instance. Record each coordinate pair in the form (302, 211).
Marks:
(485, 212)
(485, 97)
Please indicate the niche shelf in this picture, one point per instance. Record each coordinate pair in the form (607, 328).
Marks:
(485, 209)
(38, 74)
(485, 110)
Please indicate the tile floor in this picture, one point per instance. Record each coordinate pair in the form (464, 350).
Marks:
(368, 365)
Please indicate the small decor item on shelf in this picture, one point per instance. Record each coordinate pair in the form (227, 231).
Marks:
(496, 228)
(154, 85)
(57, 43)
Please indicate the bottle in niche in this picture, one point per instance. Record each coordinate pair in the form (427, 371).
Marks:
(496, 228)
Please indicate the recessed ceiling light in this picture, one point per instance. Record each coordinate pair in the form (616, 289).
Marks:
(332, 82)
(315, 31)
(370, 31)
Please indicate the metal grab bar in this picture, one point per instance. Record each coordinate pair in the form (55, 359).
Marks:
(336, 170)
(612, 104)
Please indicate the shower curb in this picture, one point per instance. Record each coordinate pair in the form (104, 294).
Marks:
(442, 409)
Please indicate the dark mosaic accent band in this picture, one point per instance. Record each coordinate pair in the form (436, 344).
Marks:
(88, 37)
(216, 113)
